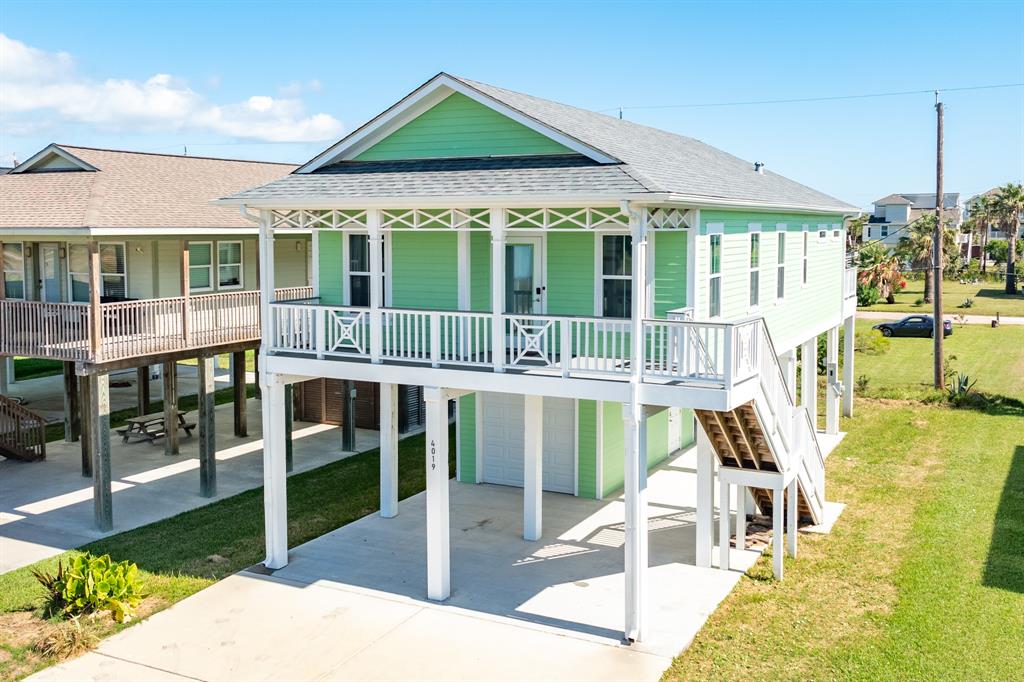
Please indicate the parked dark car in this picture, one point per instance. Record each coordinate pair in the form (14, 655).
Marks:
(921, 326)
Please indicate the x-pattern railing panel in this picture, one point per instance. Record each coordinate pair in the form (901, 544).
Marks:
(587, 218)
(667, 218)
(348, 332)
(532, 340)
(334, 219)
(435, 219)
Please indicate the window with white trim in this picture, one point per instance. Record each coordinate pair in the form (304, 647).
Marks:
(200, 266)
(807, 243)
(229, 265)
(616, 275)
(113, 272)
(359, 271)
(13, 257)
(780, 279)
(715, 280)
(884, 230)
(755, 269)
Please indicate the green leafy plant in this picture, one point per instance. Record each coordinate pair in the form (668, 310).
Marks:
(961, 390)
(968, 303)
(919, 300)
(948, 371)
(871, 342)
(867, 295)
(91, 584)
(862, 384)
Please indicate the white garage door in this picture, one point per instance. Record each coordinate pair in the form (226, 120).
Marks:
(503, 427)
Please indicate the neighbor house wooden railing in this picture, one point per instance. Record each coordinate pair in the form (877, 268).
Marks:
(22, 432)
(128, 329)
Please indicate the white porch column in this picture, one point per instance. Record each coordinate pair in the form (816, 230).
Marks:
(724, 503)
(266, 270)
(705, 496)
(831, 397)
(275, 482)
(438, 552)
(498, 288)
(375, 244)
(809, 378)
(848, 340)
(636, 548)
(741, 516)
(533, 461)
(388, 450)
(777, 506)
(792, 507)
(788, 362)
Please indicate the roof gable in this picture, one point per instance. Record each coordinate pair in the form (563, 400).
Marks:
(460, 127)
(53, 158)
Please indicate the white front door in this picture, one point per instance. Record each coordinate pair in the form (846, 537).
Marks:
(49, 273)
(524, 276)
(675, 429)
(503, 426)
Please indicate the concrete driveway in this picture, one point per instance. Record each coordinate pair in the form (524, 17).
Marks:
(351, 604)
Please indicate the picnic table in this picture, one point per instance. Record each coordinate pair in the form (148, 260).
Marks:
(149, 427)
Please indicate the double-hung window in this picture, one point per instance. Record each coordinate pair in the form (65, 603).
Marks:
(715, 281)
(200, 266)
(359, 271)
(755, 270)
(113, 272)
(616, 275)
(807, 242)
(229, 265)
(13, 258)
(780, 281)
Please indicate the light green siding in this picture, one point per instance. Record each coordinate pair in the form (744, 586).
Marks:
(689, 437)
(657, 438)
(425, 270)
(332, 273)
(467, 438)
(669, 271)
(587, 448)
(613, 448)
(570, 273)
(480, 271)
(461, 127)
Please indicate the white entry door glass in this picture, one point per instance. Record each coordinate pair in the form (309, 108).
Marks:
(524, 289)
(503, 443)
(49, 266)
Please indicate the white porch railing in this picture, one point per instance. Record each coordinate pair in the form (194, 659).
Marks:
(127, 329)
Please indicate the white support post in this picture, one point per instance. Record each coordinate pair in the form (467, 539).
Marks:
(741, 517)
(375, 243)
(636, 547)
(724, 502)
(464, 270)
(498, 288)
(788, 362)
(266, 262)
(777, 506)
(533, 474)
(809, 378)
(275, 482)
(389, 450)
(705, 497)
(848, 340)
(792, 507)
(438, 551)
(831, 397)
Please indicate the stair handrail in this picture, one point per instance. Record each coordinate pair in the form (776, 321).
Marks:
(27, 427)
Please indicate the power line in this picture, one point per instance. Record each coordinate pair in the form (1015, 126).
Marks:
(795, 100)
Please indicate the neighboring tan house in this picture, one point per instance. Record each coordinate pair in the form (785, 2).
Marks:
(591, 293)
(893, 213)
(115, 260)
(995, 230)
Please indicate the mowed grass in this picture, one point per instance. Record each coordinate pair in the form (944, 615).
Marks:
(183, 554)
(989, 299)
(922, 577)
(35, 368)
(995, 357)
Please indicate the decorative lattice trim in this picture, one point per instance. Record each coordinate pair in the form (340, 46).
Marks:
(668, 218)
(318, 220)
(435, 219)
(565, 218)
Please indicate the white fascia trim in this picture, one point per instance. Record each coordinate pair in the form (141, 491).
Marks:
(314, 203)
(706, 202)
(421, 99)
(131, 233)
(39, 156)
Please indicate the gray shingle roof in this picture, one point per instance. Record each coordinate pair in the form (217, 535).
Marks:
(653, 161)
(514, 176)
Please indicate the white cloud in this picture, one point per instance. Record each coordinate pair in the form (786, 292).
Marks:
(36, 83)
(296, 88)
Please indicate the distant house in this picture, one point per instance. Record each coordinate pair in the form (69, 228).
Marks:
(995, 231)
(894, 212)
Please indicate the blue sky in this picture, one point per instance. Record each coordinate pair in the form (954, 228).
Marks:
(280, 81)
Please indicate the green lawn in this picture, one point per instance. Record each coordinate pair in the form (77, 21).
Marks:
(182, 555)
(995, 357)
(922, 577)
(989, 298)
(34, 368)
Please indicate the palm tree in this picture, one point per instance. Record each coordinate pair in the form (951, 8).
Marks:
(1009, 204)
(982, 215)
(916, 247)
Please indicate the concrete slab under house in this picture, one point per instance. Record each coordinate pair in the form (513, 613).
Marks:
(592, 295)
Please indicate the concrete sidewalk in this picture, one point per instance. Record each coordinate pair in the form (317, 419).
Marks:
(46, 507)
(351, 604)
(969, 319)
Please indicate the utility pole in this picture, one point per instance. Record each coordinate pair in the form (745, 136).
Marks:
(939, 329)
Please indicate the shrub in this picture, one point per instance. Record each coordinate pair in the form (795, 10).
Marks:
(961, 390)
(871, 342)
(862, 384)
(867, 295)
(91, 584)
(948, 372)
(968, 303)
(919, 300)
